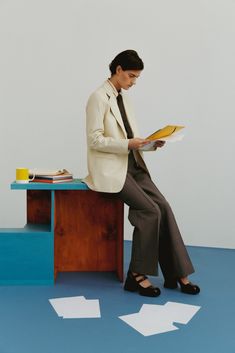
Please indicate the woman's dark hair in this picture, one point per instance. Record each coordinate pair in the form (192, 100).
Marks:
(128, 60)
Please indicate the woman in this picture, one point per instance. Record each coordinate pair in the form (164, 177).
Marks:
(115, 165)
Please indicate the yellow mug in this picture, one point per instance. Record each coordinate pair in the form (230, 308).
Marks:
(22, 176)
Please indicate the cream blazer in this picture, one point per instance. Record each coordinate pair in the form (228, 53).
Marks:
(107, 143)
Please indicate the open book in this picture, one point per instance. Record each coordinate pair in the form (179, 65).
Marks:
(168, 133)
(47, 172)
(51, 176)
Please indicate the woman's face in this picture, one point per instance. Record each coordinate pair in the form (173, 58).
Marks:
(126, 78)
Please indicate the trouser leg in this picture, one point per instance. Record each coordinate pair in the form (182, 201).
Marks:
(156, 236)
(145, 216)
(172, 254)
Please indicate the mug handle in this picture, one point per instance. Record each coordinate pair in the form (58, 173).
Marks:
(31, 179)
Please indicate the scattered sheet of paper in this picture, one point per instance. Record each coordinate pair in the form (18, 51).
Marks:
(154, 319)
(148, 324)
(181, 313)
(76, 307)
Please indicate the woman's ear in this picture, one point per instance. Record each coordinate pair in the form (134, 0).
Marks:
(118, 69)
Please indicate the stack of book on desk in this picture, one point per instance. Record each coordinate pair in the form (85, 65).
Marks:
(57, 176)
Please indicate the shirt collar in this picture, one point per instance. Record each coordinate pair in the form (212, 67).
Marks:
(115, 92)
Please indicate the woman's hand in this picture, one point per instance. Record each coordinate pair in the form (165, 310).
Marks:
(136, 143)
(159, 143)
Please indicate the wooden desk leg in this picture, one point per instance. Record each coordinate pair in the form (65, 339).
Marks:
(39, 206)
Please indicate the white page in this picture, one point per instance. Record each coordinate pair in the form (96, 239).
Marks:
(88, 309)
(153, 309)
(171, 138)
(148, 324)
(181, 313)
(171, 311)
(61, 305)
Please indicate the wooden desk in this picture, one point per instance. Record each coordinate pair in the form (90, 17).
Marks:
(84, 227)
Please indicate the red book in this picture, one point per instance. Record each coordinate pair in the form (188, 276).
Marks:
(51, 181)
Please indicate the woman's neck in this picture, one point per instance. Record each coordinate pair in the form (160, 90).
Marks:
(113, 80)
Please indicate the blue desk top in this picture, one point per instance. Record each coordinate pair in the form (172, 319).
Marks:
(75, 184)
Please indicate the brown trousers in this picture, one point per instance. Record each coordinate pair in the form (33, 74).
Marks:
(156, 236)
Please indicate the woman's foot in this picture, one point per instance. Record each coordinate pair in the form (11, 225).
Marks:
(188, 287)
(185, 285)
(136, 282)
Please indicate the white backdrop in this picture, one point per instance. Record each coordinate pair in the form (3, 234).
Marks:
(54, 53)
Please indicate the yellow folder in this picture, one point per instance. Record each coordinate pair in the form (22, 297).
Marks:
(168, 130)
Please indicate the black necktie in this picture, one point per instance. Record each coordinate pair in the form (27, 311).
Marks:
(138, 159)
(124, 117)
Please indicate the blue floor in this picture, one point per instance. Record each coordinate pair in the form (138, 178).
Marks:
(28, 323)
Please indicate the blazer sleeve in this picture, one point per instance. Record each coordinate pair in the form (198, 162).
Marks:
(95, 112)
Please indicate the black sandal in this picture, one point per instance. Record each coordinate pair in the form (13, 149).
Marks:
(188, 288)
(133, 285)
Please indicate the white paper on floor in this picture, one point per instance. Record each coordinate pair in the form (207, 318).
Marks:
(154, 319)
(148, 324)
(76, 307)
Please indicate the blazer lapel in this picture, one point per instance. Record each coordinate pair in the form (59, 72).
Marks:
(116, 112)
(114, 106)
